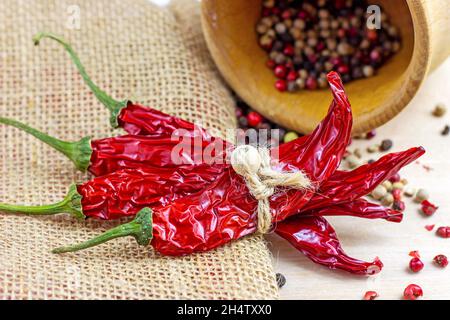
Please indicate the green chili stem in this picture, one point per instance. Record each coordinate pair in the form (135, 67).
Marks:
(79, 152)
(70, 204)
(140, 228)
(113, 105)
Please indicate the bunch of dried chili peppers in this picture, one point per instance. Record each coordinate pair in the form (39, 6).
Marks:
(197, 206)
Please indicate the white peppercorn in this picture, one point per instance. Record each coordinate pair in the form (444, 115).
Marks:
(368, 71)
(262, 28)
(299, 23)
(280, 27)
(353, 161)
(421, 195)
(387, 200)
(398, 185)
(379, 192)
(373, 148)
(388, 185)
(301, 83)
(409, 192)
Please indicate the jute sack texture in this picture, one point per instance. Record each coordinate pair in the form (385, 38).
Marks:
(134, 50)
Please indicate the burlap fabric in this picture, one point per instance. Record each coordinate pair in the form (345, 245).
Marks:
(133, 50)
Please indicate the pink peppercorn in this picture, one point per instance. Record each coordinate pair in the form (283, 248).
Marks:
(428, 208)
(352, 32)
(313, 58)
(288, 50)
(254, 118)
(292, 76)
(302, 14)
(375, 55)
(415, 254)
(370, 295)
(395, 178)
(372, 35)
(280, 71)
(339, 4)
(441, 260)
(286, 14)
(320, 46)
(276, 11)
(398, 205)
(281, 85)
(341, 33)
(443, 232)
(397, 194)
(412, 292)
(311, 83)
(416, 264)
(371, 134)
(343, 68)
(270, 64)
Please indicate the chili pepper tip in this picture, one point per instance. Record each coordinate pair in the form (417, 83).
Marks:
(141, 228)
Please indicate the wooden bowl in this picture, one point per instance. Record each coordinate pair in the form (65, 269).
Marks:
(229, 29)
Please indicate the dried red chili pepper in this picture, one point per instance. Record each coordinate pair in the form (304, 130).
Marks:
(133, 118)
(315, 237)
(123, 193)
(347, 186)
(107, 155)
(360, 208)
(225, 210)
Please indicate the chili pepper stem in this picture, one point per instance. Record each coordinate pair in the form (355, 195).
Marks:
(79, 152)
(70, 204)
(113, 105)
(141, 228)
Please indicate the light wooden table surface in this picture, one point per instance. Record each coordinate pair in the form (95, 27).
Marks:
(392, 242)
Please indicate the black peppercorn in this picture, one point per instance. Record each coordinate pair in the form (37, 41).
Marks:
(281, 280)
(386, 145)
(243, 122)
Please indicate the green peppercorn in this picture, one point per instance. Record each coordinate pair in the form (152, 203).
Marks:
(290, 136)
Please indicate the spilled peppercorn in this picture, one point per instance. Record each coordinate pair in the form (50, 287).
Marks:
(412, 292)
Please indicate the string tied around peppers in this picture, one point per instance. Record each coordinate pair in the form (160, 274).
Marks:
(253, 164)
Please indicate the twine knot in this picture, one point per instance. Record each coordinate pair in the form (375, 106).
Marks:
(253, 164)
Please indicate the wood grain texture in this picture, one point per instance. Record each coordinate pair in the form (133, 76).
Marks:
(392, 242)
(229, 31)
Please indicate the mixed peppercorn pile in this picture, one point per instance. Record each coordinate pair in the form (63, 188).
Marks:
(306, 39)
